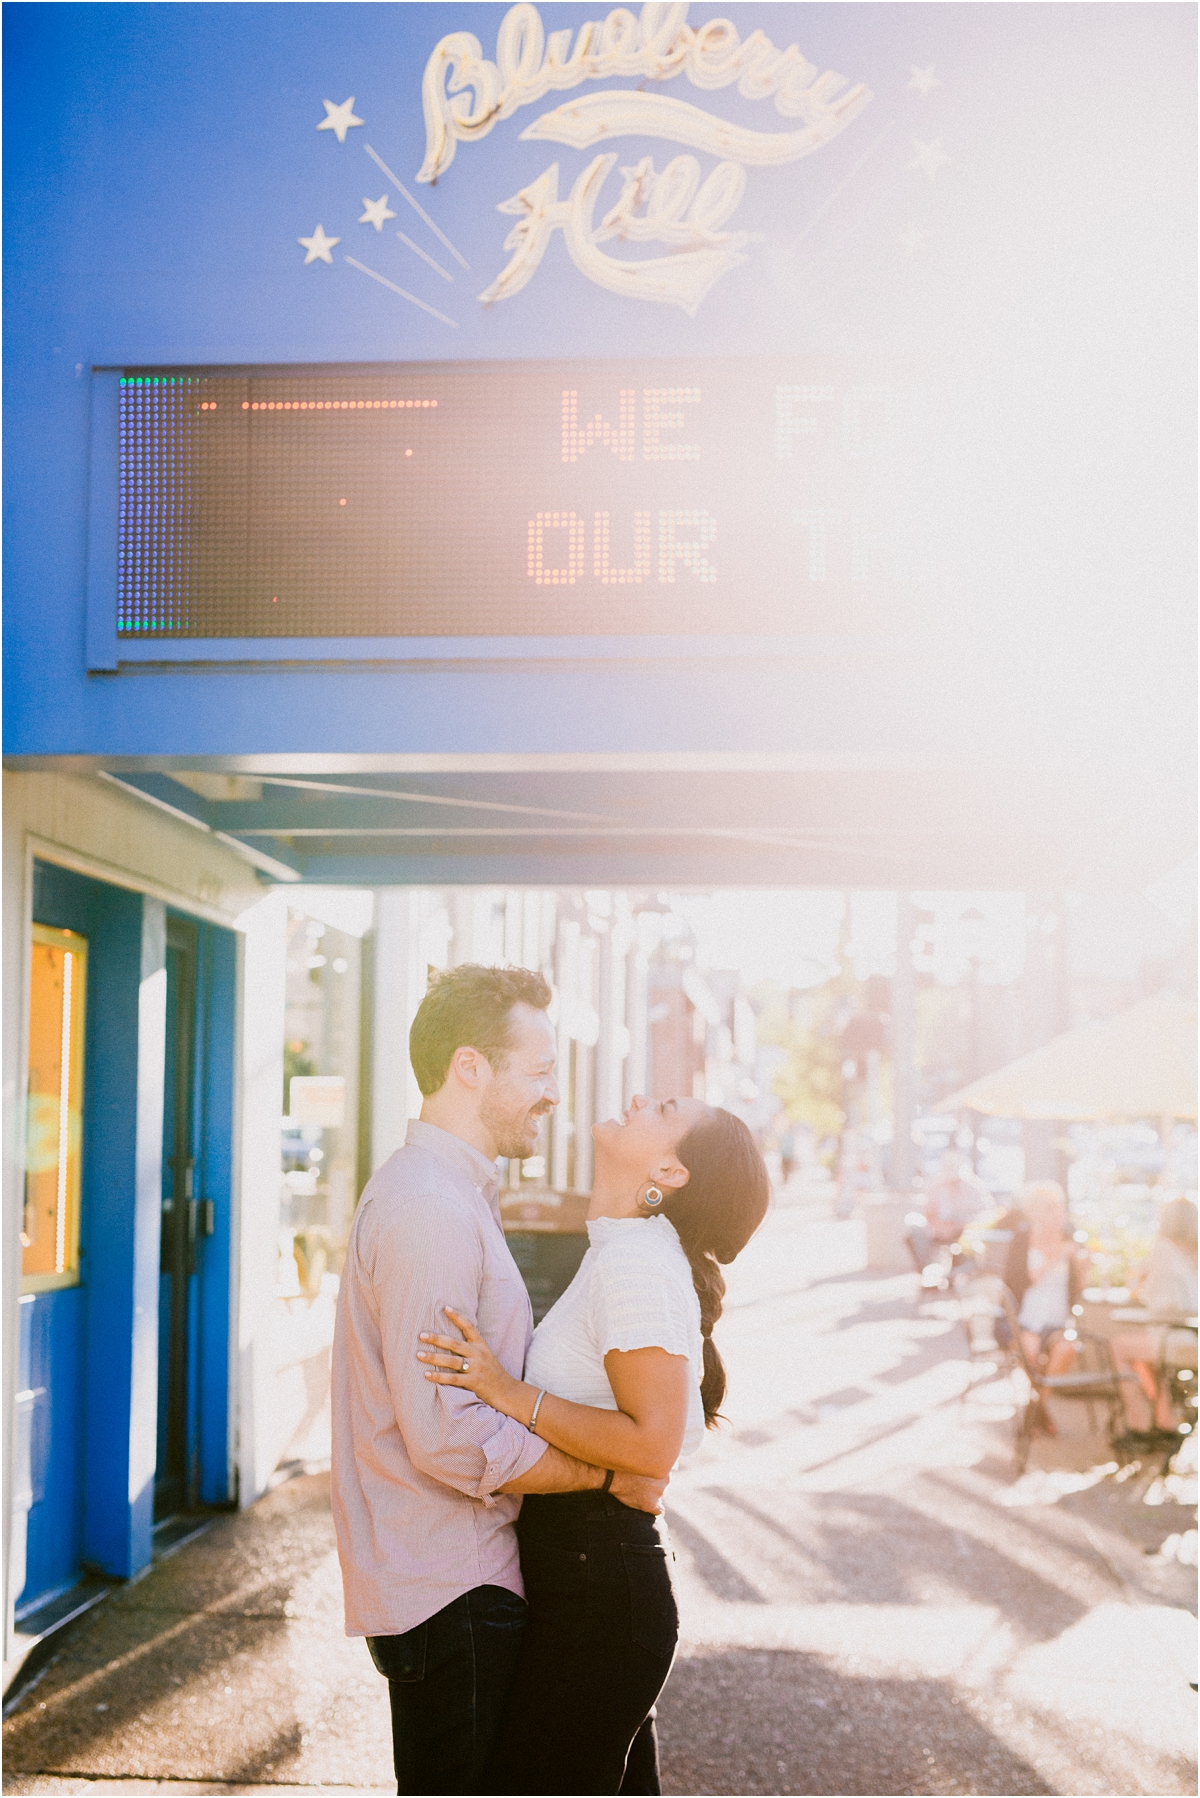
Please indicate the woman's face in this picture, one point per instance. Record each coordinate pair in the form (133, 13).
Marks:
(646, 1138)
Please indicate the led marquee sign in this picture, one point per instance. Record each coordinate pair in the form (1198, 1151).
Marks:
(512, 499)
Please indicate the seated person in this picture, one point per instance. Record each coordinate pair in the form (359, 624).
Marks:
(956, 1196)
(1001, 1246)
(1055, 1278)
(1015, 1272)
(1166, 1285)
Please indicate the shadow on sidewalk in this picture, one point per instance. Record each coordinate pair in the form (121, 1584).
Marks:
(779, 1721)
(227, 1662)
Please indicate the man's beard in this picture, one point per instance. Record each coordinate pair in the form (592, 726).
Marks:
(514, 1134)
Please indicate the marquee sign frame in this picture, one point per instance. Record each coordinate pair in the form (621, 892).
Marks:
(197, 503)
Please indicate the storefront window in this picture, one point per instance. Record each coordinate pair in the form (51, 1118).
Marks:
(320, 1142)
(54, 1127)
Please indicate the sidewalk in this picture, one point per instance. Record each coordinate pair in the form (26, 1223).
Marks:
(866, 1610)
(224, 1667)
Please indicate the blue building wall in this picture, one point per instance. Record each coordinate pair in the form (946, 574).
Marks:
(92, 1349)
(94, 1398)
(163, 162)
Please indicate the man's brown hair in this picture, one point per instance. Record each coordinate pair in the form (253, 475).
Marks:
(469, 1007)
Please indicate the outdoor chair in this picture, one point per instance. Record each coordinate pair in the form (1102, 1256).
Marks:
(1094, 1380)
(980, 1311)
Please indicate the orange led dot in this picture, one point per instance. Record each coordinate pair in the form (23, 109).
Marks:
(245, 405)
(408, 452)
(341, 502)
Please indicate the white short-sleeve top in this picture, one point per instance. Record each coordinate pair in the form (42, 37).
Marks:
(633, 1290)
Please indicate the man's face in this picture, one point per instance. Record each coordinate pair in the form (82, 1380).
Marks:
(520, 1094)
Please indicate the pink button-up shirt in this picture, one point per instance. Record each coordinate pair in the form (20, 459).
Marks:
(415, 1465)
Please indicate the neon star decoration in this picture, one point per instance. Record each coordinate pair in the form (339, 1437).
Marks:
(319, 248)
(929, 157)
(923, 80)
(376, 212)
(339, 119)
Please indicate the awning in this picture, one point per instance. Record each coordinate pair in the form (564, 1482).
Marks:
(1140, 1064)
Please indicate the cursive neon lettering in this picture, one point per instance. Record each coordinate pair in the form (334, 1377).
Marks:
(656, 45)
(680, 280)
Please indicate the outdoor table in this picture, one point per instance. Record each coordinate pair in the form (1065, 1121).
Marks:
(1138, 1316)
(1173, 1320)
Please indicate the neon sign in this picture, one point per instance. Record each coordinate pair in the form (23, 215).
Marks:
(464, 95)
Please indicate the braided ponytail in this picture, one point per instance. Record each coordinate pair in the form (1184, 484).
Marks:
(715, 1215)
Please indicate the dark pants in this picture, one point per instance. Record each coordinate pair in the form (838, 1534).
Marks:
(598, 1647)
(448, 1681)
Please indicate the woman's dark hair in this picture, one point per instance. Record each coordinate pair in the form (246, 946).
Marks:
(1177, 1222)
(469, 1006)
(716, 1214)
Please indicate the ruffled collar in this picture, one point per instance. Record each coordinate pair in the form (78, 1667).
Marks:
(604, 1229)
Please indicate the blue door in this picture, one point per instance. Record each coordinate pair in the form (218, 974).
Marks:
(176, 1481)
(192, 1463)
(48, 1465)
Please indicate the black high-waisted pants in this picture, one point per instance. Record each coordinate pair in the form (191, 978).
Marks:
(599, 1640)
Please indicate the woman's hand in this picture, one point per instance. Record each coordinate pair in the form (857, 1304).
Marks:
(468, 1361)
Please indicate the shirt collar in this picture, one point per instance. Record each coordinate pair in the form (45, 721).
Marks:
(481, 1172)
(604, 1229)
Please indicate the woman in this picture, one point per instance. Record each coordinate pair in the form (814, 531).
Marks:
(1055, 1278)
(1167, 1286)
(623, 1374)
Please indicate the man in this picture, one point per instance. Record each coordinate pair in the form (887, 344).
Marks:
(427, 1481)
(956, 1196)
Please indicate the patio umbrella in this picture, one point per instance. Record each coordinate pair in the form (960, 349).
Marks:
(1140, 1064)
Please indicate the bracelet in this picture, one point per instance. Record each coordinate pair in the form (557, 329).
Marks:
(537, 1405)
(608, 1480)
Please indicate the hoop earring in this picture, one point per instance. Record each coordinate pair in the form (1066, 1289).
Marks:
(652, 1197)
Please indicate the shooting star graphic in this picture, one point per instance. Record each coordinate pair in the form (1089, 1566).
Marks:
(402, 291)
(417, 208)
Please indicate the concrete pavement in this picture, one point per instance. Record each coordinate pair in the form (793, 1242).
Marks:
(870, 1605)
(867, 1611)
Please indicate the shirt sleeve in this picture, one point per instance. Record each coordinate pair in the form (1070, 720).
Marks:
(640, 1299)
(422, 1260)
